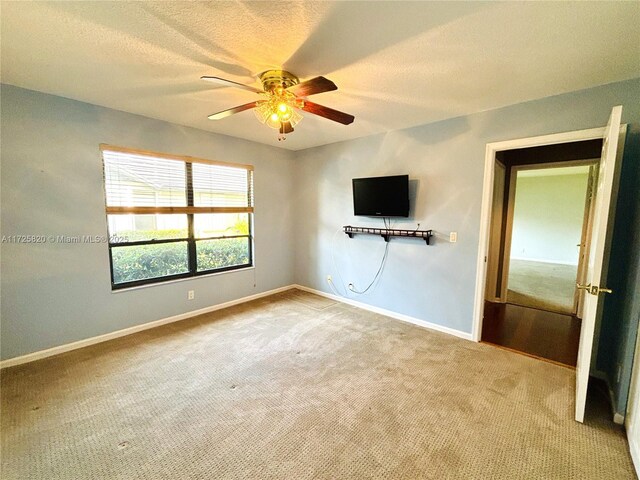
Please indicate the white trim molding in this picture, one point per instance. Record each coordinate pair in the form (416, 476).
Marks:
(49, 352)
(389, 313)
(634, 449)
(487, 194)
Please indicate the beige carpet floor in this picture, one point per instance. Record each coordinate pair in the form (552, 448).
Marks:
(295, 386)
(548, 286)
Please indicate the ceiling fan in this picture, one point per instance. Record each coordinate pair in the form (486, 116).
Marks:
(284, 96)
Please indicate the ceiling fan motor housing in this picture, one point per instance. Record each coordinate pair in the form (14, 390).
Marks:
(272, 79)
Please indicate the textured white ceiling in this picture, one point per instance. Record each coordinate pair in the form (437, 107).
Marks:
(396, 64)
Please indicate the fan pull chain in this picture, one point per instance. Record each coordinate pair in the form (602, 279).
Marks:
(282, 136)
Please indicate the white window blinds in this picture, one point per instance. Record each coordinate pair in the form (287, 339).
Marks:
(146, 182)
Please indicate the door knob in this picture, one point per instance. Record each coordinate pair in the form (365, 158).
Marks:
(593, 289)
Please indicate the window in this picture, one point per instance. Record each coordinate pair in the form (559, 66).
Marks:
(174, 217)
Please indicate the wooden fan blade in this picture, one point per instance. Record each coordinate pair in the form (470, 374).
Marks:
(313, 86)
(231, 83)
(231, 111)
(330, 113)
(285, 127)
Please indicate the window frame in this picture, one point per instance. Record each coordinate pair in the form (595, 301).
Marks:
(189, 210)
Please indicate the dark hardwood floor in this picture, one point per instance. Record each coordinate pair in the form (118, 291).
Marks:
(539, 333)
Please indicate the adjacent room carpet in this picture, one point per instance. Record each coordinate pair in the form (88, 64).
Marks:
(295, 386)
(547, 286)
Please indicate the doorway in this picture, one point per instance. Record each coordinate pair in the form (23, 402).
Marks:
(611, 138)
(542, 209)
(542, 203)
(537, 252)
(546, 244)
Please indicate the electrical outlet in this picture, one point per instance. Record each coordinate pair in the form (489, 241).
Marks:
(191, 295)
(453, 237)
(351, 287)
(329, 278)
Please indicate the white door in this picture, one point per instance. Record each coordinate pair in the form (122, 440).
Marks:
(593, 288)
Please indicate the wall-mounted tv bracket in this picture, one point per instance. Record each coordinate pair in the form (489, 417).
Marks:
(387, 233)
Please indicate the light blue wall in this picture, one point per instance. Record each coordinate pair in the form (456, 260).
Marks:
(433, 283)
(51, 168)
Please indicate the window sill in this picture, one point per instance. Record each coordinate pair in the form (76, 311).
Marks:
(187, 279)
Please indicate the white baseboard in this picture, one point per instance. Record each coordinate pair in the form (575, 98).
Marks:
(558, 262)
(49, 352)
(634, 449)
(389, 313)
(31, 357)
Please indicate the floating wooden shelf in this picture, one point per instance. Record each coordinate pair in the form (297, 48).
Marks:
(387, 233)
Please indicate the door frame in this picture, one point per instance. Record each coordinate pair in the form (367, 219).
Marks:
(498, 212)
(487, 199)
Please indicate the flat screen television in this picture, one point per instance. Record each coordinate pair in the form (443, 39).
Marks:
(381, 196)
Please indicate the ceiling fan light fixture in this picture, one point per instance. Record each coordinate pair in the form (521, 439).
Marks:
(284, 96)
(279, 107)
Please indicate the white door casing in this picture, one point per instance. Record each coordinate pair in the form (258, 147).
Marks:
(487, 201)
